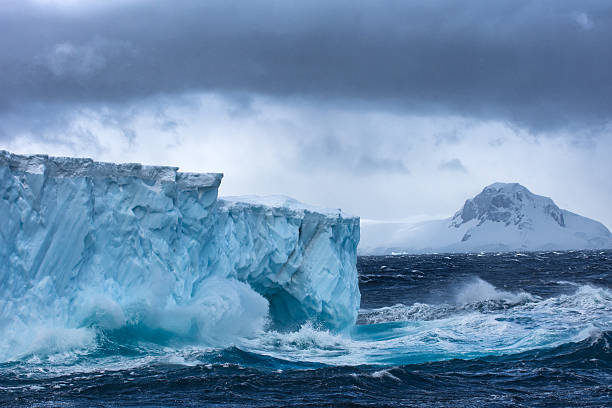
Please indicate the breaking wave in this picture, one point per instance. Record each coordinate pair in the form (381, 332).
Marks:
(42, 324)
(476, 295)
(482, 321)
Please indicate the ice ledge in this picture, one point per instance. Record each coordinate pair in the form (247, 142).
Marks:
(284, 203)
(64, 167)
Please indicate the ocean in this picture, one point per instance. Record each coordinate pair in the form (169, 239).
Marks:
(446, 330)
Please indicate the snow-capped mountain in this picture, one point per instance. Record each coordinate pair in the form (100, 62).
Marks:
(503, 217)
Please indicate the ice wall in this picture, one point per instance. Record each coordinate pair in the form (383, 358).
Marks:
(89, 244)
(301, 258)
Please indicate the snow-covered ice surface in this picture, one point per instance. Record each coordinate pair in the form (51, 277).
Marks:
(503, 217)
(153, 252)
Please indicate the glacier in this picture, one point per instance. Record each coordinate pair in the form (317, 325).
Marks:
(89, 247)
(503, 217)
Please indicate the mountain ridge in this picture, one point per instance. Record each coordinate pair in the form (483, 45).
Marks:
(502, 217)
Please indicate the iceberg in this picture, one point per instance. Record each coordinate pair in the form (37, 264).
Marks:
(88, 246)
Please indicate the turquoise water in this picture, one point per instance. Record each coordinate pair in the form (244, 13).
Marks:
(531, 329)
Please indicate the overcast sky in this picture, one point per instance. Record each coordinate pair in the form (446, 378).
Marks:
(387, 109)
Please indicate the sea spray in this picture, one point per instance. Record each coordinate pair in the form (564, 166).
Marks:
(151, 254)
(531, 335)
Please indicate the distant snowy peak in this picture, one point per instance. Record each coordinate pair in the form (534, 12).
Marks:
(509, 203)
(503, 217)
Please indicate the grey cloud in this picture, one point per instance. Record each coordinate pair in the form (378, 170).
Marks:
(544, 65)
(350, 151)
(584, 21)
(84, 61)
(369, 164)
(447, 137)
(454, 165)
(66, 59)
(497, 142)
(169, 126)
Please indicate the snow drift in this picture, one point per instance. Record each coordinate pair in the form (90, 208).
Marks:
(88, 246)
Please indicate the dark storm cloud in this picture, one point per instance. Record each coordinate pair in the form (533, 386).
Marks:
(540, 64)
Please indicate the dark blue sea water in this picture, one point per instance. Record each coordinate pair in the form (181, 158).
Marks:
(480, 330)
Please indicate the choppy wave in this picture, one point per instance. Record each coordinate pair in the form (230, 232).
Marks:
(481, 321)
(434, 337)
(430, 334)
(475, 295)
(570, 372)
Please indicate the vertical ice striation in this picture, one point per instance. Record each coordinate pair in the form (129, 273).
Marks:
(87, 245)
(302, 259)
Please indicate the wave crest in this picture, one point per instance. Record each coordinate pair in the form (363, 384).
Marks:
(480, 290)
(219, 312)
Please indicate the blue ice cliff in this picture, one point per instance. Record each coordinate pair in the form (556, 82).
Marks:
(89, 247)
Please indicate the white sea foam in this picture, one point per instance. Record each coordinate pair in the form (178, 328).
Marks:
(89, 248)
(433, 332)
(385, 373)
(484, 321)
(480, 290)
(221, 310)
